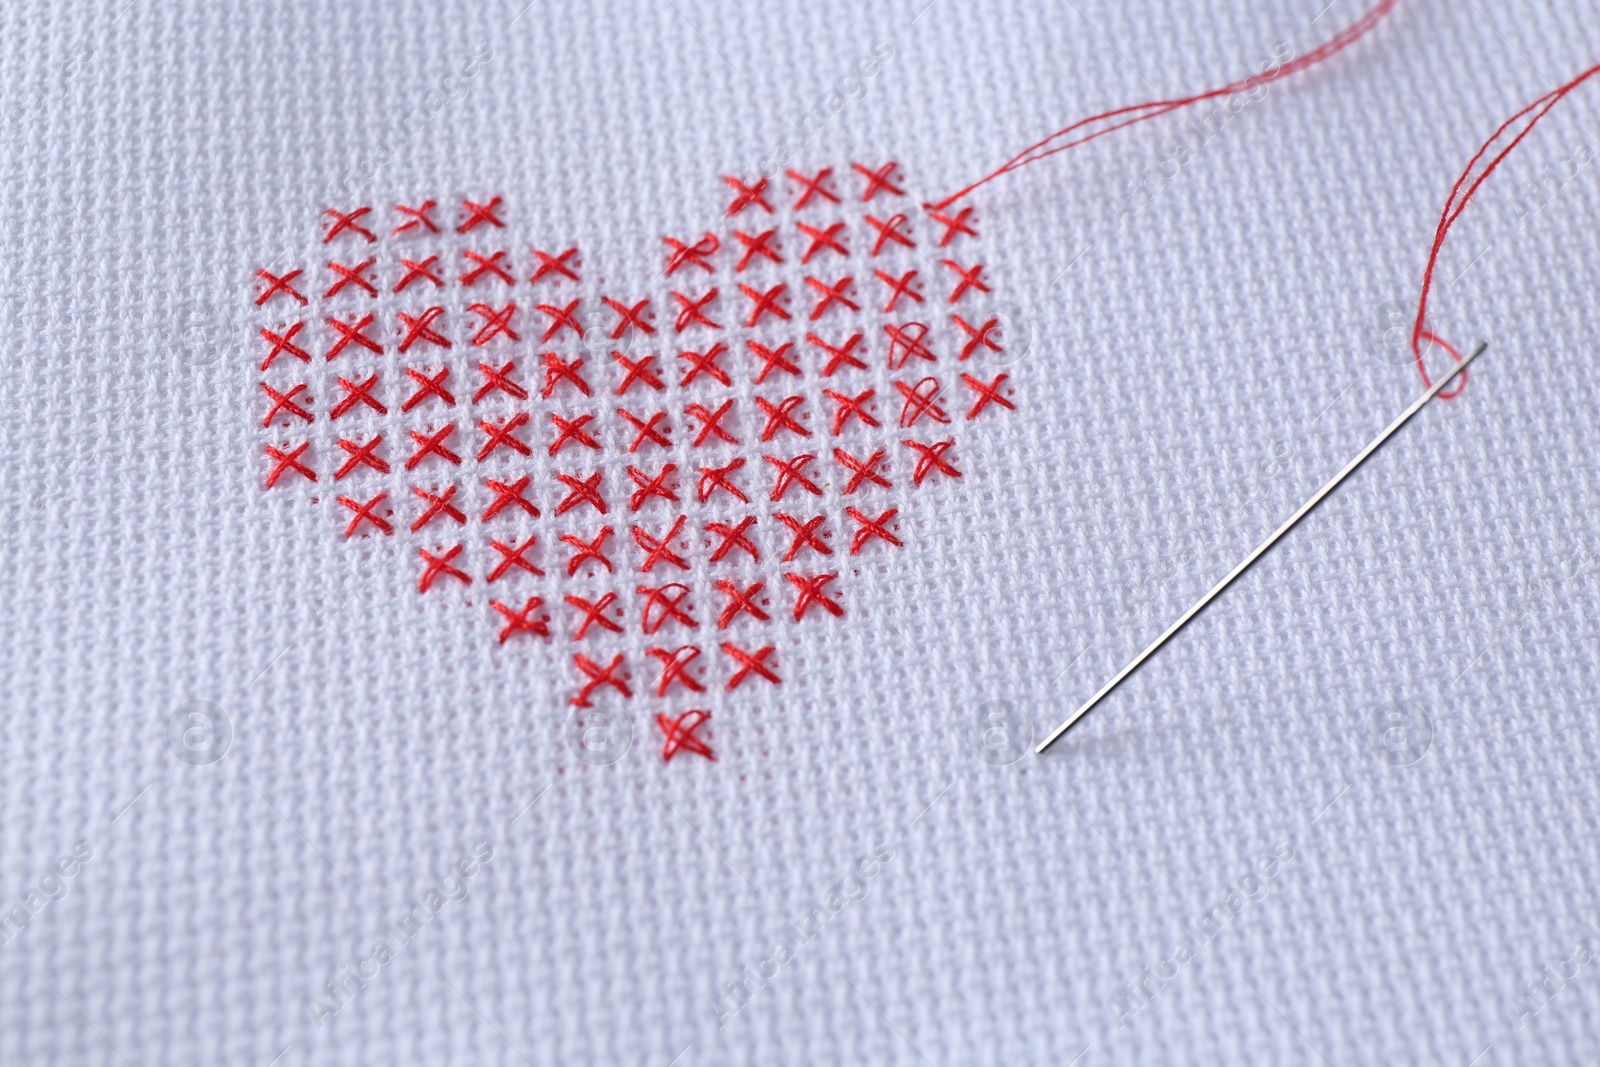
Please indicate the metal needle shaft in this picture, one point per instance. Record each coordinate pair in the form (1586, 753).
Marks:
(1262, 548)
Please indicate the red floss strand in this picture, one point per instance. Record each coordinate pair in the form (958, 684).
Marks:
(1137, 113)
(1521, 124)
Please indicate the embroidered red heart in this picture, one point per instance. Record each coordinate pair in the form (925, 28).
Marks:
(655, 479)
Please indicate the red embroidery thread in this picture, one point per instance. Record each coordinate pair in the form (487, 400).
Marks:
(1070, 137)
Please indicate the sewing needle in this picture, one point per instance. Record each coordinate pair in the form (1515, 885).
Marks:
(1262, 548)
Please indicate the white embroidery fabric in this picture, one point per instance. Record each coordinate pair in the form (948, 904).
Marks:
(1347, 816)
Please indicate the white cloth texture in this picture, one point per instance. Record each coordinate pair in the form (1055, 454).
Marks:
(1363, 787)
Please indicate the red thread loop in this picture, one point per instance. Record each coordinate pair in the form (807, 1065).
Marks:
(1460, 194)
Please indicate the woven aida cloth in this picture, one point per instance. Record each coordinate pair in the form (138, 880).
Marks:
(268, 800)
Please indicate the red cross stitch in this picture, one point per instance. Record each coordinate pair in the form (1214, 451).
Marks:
(906, 341)
(428, 387)
(759, 245)
(438, 567)
(351, 276)
(558, 370)
(669, 599)
(733, 537)
(648, 434)
(341, 223)
(485, 265)
(499, 380)
(899, 287)
(711, 422)
(871, 528)
(920, 400)
(706, 363)
(765, 303)
(660, 550)
(836, 356)
(420, 218)
(352, 333)
(692, 312)
(649, 487)
(772, 359)
(357, 393)
(831, 295)
(811, 591)
(288, 461)
(417, 272)
(930, 459)
(727, 534)
(503, 436)
(822, 240)
(805, 535)
(849, 406)
(698, 254)
(508, 496)
(438, 504)
(285, 403)
(740, 602)
(779, 417)
(556, 265)
(513, 557)
(420, 328)
(953, 225)
(364, 513)
(561, 319)
(587, 551)
(714, 478)
(987, 394)
(969, 279)
(791, 472)
(979, 335)
(594, 614)
(572, 431)
(747, 195)
(629, 317)
(586, 491)
(862, 470)
(680, 733)
(750, 663)
(598, 676)
(277, 284)
(522, 621)
(889, 230)
(283, 344)
(479, 215)
(361, 456)
(813, 187)
(675, 664)
(641, 371)
(432, 446)
(879, 179)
